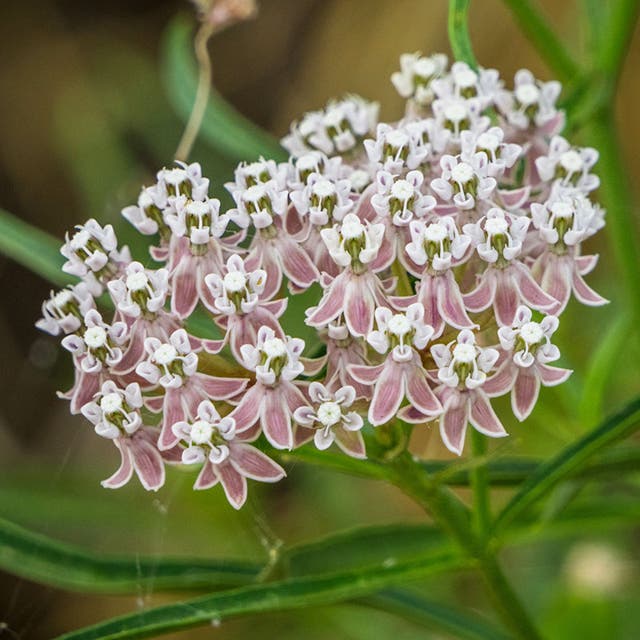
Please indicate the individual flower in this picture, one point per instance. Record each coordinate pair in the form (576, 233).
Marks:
(212, 441)
(64, 311)
(400, 337)
(568, 165)
(395, 149)
(183, 180)
(528, 349)
(323, 200)
(415, 76)
(115, 414)
(331, 421)
(401, 199)
(462, 370)
(172, 367)
(147, 216)
(501, 155)
(464, 83)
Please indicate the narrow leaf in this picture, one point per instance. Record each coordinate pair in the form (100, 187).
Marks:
(569, 461)
(222, 127)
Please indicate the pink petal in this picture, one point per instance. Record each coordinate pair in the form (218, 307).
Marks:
(293, 396)
(148, 464)
(515, 198)
(525, 392)
(173, 412)
(501, 381)
(247, 412)
(332, 303)
(124, 472)
(154, 403)
(483, 417)
(586, 264)
(220, 388)
(254, 464)
(266, 260)
(387, 395)
(85, 388)
(482, 296)
(365, 374)
(297, 264)
(531, 291)
(584, 293)
(206, 478)
(552, 376)
(453, 423)
(185, 292)
(419, 392)
(233, 483)
(313, 366)
(213, 346)
(134, 353)
(351, 442)
(276, 420)
(507, 299)
(450, 302)
(428, 297)
(556, 281)
(359, 307)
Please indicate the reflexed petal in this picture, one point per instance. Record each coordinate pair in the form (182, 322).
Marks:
(585, 294)
(525, 393)
(387, 395)
(351, 442)
(134, 353)
(247, 412)
(148, 464)
(185, 292)
(124, 472)
(297, 264)
(359, 307)
(173, 412)
(552, 376)
(453, 424)
(276, 420)
(420, 394)
(482, 296)
(450, 302)
(332, 303)
(531, 291)
(206, 478)
(483, 417)
(506, 300)
(221, 388)
(254, 464)
(365, 374)
(556, 281)
(233, 483)
(501, 381)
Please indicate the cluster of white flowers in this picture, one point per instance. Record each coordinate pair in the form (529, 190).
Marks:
(446, 245)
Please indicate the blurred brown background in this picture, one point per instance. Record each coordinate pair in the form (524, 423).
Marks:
(84, 120)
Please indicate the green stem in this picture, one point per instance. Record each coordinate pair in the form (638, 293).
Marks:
(535, 26)
(480, 485)
(459, 32)
(451, 514)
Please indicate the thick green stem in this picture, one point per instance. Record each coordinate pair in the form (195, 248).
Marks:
(451, 514)
(459, 32)
(535, 26)
(480, 485)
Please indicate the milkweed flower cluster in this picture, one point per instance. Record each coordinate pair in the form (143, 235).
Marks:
(433, 256)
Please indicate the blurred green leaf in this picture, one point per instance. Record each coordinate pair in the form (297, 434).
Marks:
(283, 595)
(412, 606)
(32, 248)
(569, 461)
(222, 127)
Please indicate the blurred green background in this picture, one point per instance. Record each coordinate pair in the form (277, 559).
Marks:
(85, 119)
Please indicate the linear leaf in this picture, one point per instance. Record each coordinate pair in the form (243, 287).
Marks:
(430, 614)
(36, 557)
(283, 595)
(222, 127)
(569, 461)
(32, 248)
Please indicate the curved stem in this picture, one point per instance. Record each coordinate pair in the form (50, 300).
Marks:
(201, 42)
(459, 32)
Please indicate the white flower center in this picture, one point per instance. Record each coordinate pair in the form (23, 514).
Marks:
(198, 208)
(397, 139)
(274, 348)
(436, 232)
(334, 117)
(175, 176)
(496, 226)
(464, 353)
(255, 169)
(488, 141)
(201, 432)
(329, 413)
(62, 298)
(95, 337)
(323, 188)
(359, 179)
(466, 78)
(402, 190)
(455, 112)
(111, 403)
(527, 94)
(462, 172)
(254, 193)
(399, 325)
(424, 67)
(531, 333)
(308, 162)
(80, 239)
(137, 281)
(235, 281)
(562, 209)
(351, 227)
(571, 161)
(165, 354)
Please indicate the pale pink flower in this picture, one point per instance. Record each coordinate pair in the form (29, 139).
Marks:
(300, 169)
(64, 311)
(173, 367)
(463, 82)
(115, 414)
(248, 174)
(507, 282)
(330, 420)
(396, 150)
(183, 180)
(569, 165)
(323, 200)
(464, 182)
(401, 199)
(416, 73)
(528, 350)
(239, 306)
(274, 397)
(460, 114)
(147, 216)
(400, 337)
(212, 441)
(501, 155)
(462, 370)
